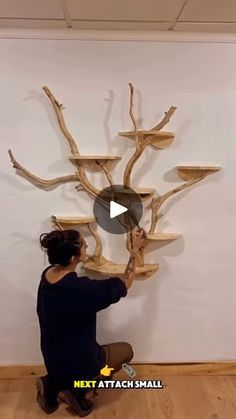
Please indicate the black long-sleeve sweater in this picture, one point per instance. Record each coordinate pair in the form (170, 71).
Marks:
(67, 317)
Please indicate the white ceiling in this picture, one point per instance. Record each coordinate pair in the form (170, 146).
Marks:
(160, 15)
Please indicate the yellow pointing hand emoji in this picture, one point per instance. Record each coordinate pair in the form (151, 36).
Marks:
(106, 371)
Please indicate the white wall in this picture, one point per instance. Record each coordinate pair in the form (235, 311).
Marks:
(187, 311)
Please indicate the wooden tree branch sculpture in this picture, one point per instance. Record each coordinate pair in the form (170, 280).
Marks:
(142, 139)
(156, 138)
(140, 147)
(79, 176)
(58, 110)
(73, 146)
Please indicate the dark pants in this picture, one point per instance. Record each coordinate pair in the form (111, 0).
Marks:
(117, 353)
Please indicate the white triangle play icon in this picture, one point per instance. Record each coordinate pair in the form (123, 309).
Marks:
(116, 209)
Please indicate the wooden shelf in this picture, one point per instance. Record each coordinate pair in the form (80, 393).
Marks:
(194, 172)
(163, 236)
(74, 220)
(110, 269)
(144, 193)
(160, 139)
(93, 161)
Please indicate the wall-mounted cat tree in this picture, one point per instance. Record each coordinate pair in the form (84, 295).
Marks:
(155, 138)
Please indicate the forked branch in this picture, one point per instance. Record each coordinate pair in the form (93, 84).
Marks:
(107, 173)
(73, 146)
(58, 110)
(141, 144)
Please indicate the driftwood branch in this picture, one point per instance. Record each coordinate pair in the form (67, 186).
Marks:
(140, 146)
(73, 146)
(155, 217)
(58, 110)
(133, 160)
(36, 179)
(131, 113)
(98, 248)
(129, 245)
(107, 173)
(86, 184)
(159, 201)
(93, 192)
(165, 120)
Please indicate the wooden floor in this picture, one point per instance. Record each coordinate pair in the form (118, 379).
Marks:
(183, 397)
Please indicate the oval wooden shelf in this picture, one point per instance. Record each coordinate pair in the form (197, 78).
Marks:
(110, 269)
(160, 139)
(74, 220)
(194, 172)
(93, 161)
(163, 236)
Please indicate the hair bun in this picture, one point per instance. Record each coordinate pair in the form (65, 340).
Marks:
(54, 238)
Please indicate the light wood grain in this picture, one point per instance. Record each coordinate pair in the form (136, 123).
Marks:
(141, 142)
(154, 137)
(100, 158)
(95, 162)
(74, 220)
(157, 139)
(194, 172)
(82, 177)
(183, 397)
(113, 269)
(163, 236)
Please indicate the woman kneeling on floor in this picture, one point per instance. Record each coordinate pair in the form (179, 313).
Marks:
(66, 306)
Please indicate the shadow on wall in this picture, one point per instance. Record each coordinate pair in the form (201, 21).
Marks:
(110, 102)
(13, 181)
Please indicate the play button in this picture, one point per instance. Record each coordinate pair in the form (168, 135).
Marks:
(118, 209)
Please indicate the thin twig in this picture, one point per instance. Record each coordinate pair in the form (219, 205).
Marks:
(54, 220)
